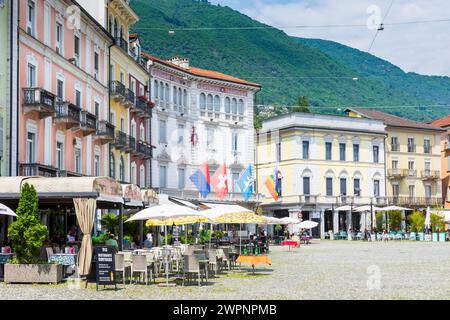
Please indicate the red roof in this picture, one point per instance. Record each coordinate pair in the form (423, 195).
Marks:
(203, 72)
(394, 121)
(444, 122)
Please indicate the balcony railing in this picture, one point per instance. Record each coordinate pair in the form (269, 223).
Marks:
(117, 90)
(412, 173)
(145, 150)
(105, 132)
(395, 147)
(430, 174)
(37, 169)
(395, 173)
(309, 199)
(67, 114)
(342, 200)
(142, 107)
(120, 140)
(130, 98)
(411, 148)
(131, 146)
(122, 43)
(415, 201)
(88, 123)
(38, 100)
(427, 149)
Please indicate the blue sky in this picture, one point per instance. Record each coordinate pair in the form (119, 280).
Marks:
(421, 48)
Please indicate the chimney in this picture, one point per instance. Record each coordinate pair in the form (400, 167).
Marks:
(181, 62)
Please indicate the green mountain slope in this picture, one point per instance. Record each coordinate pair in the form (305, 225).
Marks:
(285, 66)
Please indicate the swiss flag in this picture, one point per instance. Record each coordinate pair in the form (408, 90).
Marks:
(219, 181)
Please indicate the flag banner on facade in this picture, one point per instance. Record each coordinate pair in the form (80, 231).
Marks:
(201, 180)
(272, 185)
(276, 175)
(219, 182)
(246, 183)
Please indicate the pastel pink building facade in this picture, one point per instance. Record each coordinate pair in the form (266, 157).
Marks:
(63, 91)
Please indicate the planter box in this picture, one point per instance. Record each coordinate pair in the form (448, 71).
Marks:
(442, 236)
(33, 273)
(421, 236)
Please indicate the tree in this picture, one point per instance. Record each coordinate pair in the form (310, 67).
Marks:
(27, 233)
(437, 223)
(395, 220)
(111, 222)
(302, 105)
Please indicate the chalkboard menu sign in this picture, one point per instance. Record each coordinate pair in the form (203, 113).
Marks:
(104, 258)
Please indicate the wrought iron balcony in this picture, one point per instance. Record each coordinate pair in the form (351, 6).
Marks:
(105, 132)
(415, 201)
(131, 146)
(37, 169)
(308, 199)
(88, 123)
(430, 175)
(396, 173)
(122, 43)
(120, 140)
(117, 90)
(411, 148)
(142, 107)
(68, 114)
(130, 99)
(39, 101)
(395, 147)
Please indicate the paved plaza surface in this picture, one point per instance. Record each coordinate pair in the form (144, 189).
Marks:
(322, 270)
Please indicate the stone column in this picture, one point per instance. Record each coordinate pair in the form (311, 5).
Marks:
(335, 221)
(322, 223)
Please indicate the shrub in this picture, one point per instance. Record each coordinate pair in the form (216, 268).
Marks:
(395, 220)
(111, 222)
(437, 223)
(417, 221)
(99, 240)
(27, 233)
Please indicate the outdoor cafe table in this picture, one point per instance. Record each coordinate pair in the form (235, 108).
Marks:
(290, 243)
(254, 260)
(64, 259)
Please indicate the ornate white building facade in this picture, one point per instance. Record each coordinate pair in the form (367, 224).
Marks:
(199, 116)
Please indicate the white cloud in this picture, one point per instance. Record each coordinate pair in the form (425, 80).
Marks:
(421, 48)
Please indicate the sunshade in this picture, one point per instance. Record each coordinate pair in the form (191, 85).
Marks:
(308, 224)
(175, 221)
(273, 221)
(232, 215)
(428, 219)
(345, 208)
(367, 208)
(4, 210)
(394, 208)
(288, 220)
(164, 212)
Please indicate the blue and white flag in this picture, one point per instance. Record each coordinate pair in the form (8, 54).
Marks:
(246, 183)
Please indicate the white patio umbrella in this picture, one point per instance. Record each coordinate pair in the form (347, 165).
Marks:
(394, 208)
(4, 210)
(274, 221)
(344, 208)
(367, 208)
(288, 220)
(308, 224)
(428, 219)
(165, 212)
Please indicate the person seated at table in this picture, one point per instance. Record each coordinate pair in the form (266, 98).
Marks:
(112, 242)
(225, 238)
(148, 243)
(71, 234)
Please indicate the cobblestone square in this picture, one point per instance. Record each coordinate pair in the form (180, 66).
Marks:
(322, 270)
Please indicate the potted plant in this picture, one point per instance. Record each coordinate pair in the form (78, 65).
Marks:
(437, 225)
(27, 237)
(417, 223)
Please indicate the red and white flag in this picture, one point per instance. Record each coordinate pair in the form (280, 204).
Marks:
(219, 181)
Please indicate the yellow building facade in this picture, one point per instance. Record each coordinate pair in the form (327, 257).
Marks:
(327, 166)
(413, 160)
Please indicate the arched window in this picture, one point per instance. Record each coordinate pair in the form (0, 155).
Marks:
(112, 166)
(241, 107)
(234, 106)
(156, 90)
(133, 173)
(209, 102)
(122, 170)
(167, 89)
(227, 105)
(185, 97)
(174, 95)
(161, 91)
(217, 103)
(120, 32)
(142, 177)
(202, 101)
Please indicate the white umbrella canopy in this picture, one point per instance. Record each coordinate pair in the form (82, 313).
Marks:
(394, 208)
(164, 212)
(308, 224)
(274, 221)
(367, 208)
(4, 210)
(288, 220)
(428, 218)
(344, 208)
